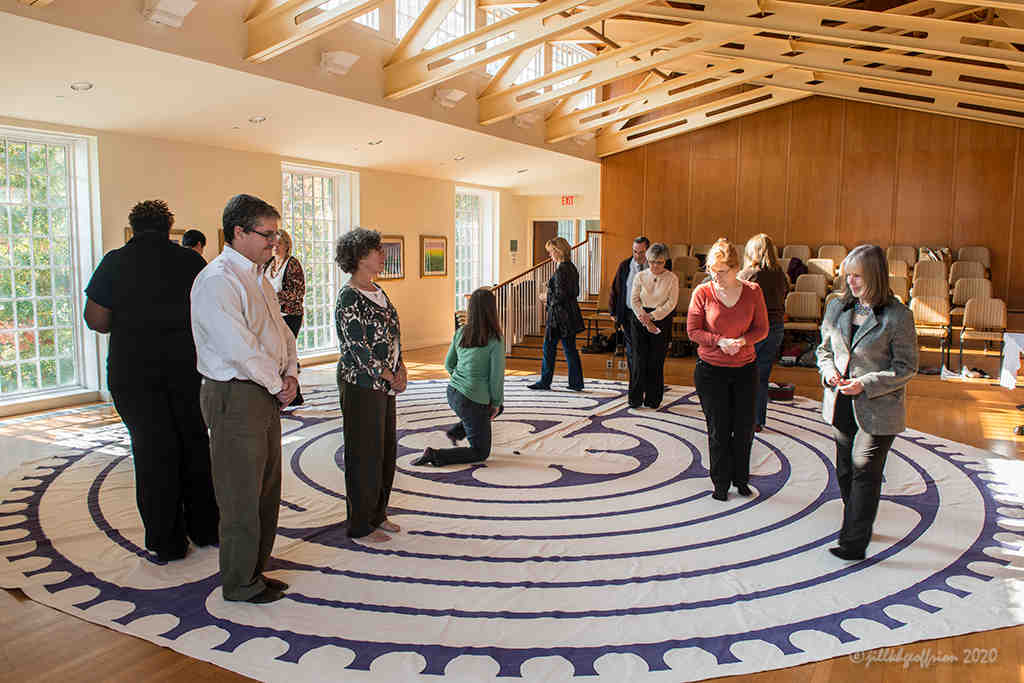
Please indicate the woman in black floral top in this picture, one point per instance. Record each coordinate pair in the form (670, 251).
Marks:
(370, 374)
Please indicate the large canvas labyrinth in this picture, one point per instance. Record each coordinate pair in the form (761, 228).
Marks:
(588, 545)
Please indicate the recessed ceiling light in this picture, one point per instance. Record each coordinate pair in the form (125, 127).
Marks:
(257, 119)
(374, 143)
(522, 170)
(459, 157)
(81, 86)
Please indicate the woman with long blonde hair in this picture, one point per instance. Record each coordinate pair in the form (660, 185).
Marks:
(761, 266)
(286, 275)
(564, 319)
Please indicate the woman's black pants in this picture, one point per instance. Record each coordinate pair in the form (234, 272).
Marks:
(728, 397)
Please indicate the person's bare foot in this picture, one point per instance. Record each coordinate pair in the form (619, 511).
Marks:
(389, 526)
(377, 536)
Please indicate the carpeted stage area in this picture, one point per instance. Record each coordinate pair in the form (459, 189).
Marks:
(587, 546)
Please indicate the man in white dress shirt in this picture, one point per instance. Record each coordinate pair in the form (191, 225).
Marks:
(246, 355)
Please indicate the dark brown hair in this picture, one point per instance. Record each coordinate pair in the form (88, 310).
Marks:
(481, 320)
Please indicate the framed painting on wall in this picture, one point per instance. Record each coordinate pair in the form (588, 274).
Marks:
(394, 257)
(176, 234)
(433, 256)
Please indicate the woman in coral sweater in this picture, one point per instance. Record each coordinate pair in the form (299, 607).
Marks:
(727, 316)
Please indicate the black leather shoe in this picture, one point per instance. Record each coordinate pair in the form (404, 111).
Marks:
(276, 584)
(426, 459)
(575, 388)
(720, 495)
(744, 490)
(537, 386)
(846, 554)
(172, 555)
(266, 595)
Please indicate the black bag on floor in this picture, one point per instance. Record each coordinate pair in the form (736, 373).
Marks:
(598, 344)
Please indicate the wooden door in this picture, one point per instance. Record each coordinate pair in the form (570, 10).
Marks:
(542, 232)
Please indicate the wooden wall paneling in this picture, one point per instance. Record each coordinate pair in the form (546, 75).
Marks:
(763, 173)
(622, 191)
(667, 181)
(869, 174)
(1015, 259)
(924, 190)
(985, 164)
(713, 185)
(814, 171)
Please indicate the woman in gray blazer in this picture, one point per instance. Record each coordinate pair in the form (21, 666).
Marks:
(867, 355)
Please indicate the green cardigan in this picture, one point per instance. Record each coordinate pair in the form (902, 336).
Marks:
(478, 373)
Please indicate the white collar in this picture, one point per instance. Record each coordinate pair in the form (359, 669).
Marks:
(239, 260)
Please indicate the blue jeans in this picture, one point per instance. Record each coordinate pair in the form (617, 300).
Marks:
(572, 357)
(474, 424)
(767, 352)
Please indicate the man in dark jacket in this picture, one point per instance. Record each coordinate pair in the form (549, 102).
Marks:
(622, 287)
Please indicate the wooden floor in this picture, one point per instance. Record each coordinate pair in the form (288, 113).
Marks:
(41, 644)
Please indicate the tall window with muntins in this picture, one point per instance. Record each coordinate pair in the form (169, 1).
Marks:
(564, 55)
(476, 229)
(318, 207)
(40, 332)
(458, 23)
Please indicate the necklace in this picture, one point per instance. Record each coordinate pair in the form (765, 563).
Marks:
(274, 267)
(861, 309)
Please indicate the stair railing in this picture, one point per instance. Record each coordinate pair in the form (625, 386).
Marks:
(521, 298)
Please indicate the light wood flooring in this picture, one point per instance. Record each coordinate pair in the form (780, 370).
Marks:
(41, 644)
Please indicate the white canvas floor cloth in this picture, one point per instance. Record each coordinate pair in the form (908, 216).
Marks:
(587, 545)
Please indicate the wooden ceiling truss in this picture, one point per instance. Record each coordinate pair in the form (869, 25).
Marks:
(698, 63)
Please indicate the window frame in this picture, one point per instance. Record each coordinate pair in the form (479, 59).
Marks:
(86, 251)
(339, 209)
(487, 259)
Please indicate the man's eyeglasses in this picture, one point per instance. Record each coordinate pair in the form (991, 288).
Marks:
(269, 236)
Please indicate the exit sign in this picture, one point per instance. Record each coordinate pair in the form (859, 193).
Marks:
(568, 200)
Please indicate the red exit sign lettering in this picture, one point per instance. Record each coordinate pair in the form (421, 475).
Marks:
(568, 200)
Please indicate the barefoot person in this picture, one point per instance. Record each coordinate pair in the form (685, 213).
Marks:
(476, 362)
(370, 374)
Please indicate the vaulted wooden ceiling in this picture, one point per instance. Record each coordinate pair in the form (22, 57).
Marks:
(670, 67)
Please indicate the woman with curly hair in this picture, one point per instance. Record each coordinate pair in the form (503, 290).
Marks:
(370, 374)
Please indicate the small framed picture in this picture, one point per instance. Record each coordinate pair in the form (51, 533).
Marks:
(394, 257)
(433, 256)
(176, 234)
